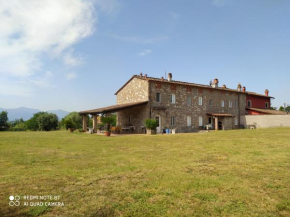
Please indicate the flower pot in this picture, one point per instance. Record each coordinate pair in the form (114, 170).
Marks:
(151, 132)
(107, 133)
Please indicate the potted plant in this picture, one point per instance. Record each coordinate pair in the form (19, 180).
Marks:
(151, 125)
(69, 125)
(108, 121)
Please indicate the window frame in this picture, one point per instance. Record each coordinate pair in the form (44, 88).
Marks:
(173, 98)
(157, 93)
(249, 101)
(200, 100)
(266, 105)
(172, 120)
(222, 103)
(200, 121)
(188, 121)
(230, 104)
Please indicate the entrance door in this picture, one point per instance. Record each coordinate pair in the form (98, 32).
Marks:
(158, 120)
(220, 125)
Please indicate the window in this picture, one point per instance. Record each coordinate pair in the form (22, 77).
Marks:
(158, 97)
(230, 104)
(130, 119)
(200, 121)
(188, 120)
(210, 102)
(223, 103)
(172, 120)
(236, 121)
(249, 103)
(266, 105)
(189, 101)
(209, 120)
(200, 100)
(157, 120)
(172, 98)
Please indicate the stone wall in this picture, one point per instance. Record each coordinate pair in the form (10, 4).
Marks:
(181, 110)
(138, 116)
(264, 121)
(135, 91)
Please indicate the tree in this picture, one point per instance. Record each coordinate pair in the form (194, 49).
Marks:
(32, 123)
(3, 119)
(287, 109)
(75, 118)
(108, 121)
(47, 121)
(281, 108)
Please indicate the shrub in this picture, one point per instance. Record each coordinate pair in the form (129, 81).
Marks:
(75, 117)
(4, 119)
(151, 124)
(47, 122)
(69, 123)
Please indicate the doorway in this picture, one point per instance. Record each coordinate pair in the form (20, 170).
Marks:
(158, 120)
(220, 125)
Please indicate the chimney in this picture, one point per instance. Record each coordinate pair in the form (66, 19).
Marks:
(141, 74)
(239, 88)
(244, 89)
(224, 86)
(267, 92)
(145, 75)
(215, 83)
(162, 78)
(169, 76)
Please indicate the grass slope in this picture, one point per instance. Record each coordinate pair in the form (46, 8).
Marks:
(225, 173)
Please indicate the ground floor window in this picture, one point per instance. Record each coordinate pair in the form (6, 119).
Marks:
(188, 121)
(200, 121)
(209, 120)
(172, 120)
(266, 105)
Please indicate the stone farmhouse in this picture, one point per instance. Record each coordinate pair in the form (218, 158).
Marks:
(178, 105)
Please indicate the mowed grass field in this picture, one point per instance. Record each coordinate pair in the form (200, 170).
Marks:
(225, 173)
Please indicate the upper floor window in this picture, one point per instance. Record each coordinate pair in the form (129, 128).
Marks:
(249, 103)
(210, 102)
(172, 98)
(189, 101)
(266, 105)
(200, 100)
(172, 120)
(158, 97)
(230, 104)
(223, 103)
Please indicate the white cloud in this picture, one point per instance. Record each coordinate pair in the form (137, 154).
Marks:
(71, 60)
(145, 52)
(71, 75)
(29, 29)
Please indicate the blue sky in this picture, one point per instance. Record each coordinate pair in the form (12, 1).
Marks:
(74, 55)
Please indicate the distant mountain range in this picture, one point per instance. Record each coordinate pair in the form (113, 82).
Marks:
(27, 113)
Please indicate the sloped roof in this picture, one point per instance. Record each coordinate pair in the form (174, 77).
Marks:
(268, 111)
(188, 84)
(113, 108)
(220, 115)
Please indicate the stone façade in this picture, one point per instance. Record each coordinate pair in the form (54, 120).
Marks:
(139, 88)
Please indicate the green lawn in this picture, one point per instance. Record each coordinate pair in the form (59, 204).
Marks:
(225, 173)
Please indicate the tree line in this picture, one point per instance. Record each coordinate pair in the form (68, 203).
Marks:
(41, 121)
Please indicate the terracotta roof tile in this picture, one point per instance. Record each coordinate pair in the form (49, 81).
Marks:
(268, 111)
